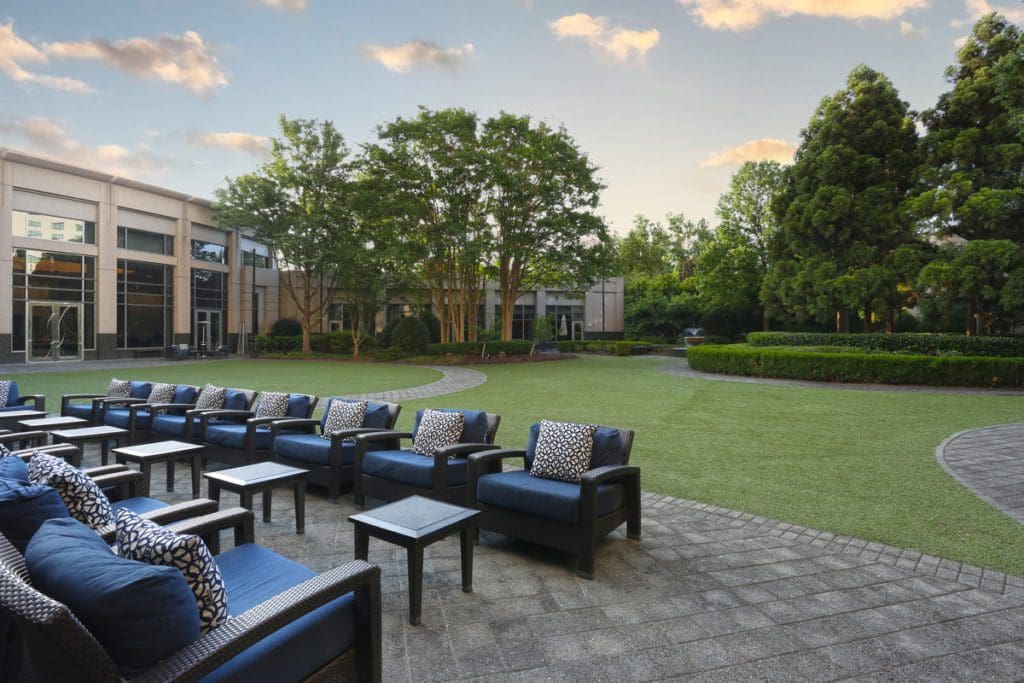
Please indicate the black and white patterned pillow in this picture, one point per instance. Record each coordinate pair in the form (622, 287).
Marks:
(142, 540)
(272, 404)
(344, 415)
(83, 498)
(119, 388)
(161, 393)
(4, 451)
(563, 451)
(437, 429)
(211, 398)
(5, 391)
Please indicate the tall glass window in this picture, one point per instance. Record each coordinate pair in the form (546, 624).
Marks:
(339, 317)
(52, 276)
(262, 261)
(145, 304)
(565, 316)
(209, 307)
(208, 251)
(523, 318)
(143, 240)
(57, 228)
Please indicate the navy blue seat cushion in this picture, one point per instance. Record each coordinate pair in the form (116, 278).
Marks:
(184, 393)
(311, 448)
(13, 467)
(377, 414)
(236, 400)
(140, 613)
(24, 507)
(410, 468)
(298, 406)
(82, 410)
(547, 498)
(609, 448)
(254, 574)
(140, 389)
(474, 424)
(119, 417)
(4, 409)
(12, 397)
(232, 435)
(139, 505)
(173, 425)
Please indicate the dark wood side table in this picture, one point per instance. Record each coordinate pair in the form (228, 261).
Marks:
(263, 477)
(146, 454)
(414, 523)
(103, 434)
(9, 418)
(48, 424)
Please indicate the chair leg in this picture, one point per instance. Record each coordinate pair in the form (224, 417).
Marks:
(633, 525)
(585, 559)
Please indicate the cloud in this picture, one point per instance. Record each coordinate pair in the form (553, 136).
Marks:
(621, 44)
(289, 5)
(183, 60)
(753, 150)
(257, 145)
(15, 51)
(976, 9)
(741, 15)
(402, 58)
(908, 29)
(51, 139)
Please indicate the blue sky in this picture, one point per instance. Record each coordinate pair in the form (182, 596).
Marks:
(666, 96)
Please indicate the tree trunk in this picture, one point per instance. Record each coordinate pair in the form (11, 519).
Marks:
(869, 325)
(971, 318)
(506, 319)
(890, 320)
(842, 321)
(765, 322)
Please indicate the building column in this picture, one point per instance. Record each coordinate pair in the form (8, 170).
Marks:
(183, 278)
(6, 264)
(234, 322)
(105, 308)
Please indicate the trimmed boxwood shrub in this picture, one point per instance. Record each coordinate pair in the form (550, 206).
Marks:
(286, 327)
(514, 347)
(619, 348)
(873, 368)
(433, 324)
(384, 339)
(410, 335)
(928, 344)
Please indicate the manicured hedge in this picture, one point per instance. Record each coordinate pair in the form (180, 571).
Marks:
(928, 344)
(870, 368)
(619, 348)
(338, 343)
(514, 347)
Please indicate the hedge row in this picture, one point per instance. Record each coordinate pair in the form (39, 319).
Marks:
(927, 344)
(339, 343)
(618, 348)
(872, 368)
(514, 347)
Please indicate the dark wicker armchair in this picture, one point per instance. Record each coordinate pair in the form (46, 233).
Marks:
(53, 644)
(238, 437)
(557, 514)
(383, 471)
(181, 420)
(93, 410)
(16, 401)
(136, 415)
(329, 460)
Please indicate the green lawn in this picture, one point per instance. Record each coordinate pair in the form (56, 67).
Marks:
(852, 462)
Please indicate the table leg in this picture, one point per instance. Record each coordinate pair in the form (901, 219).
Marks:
(213, 491)
(466, 537)
(415, 583)
(300, 507)
(362, 545)
(104, 448)
(197, 466)
(246, 499)
(147, 471)
(268, 497)
(170, 475)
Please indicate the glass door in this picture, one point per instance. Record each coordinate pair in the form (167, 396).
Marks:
(207, 330)
(54, 331)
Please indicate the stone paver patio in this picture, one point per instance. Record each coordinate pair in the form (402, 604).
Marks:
(988, 461)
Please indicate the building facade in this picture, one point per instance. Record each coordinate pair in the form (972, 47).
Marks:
(104, 267)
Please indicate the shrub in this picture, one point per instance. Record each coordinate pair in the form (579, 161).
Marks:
(619, 348)
(286, 327)
(410, 335)
(433, 324)
(514, 347)
(902, 342)
(860, 367)
(279, 344)
(390, 353)
(384, 339)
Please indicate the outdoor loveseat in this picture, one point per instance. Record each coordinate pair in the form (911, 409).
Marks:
(181, 420)
(244, 436)
(71, 405)
(136, 415)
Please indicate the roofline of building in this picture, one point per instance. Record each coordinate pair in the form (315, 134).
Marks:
(8, 153)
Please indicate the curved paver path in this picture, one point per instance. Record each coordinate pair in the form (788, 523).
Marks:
(988, 461)
(455, 379)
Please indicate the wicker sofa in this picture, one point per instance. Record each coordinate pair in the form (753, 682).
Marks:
(181, 420)
(239, 437)
(72, 405)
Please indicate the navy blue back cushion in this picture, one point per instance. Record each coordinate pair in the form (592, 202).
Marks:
(140, 613)
(377, 414)
(140, 390)
(24, 507)
(184, 393)
(298, 405)
(12, 467)
(12, 394)
(236, 400)
(474, 425)
(609, 447)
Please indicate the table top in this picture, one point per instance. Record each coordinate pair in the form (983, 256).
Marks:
(59, 421)
(21, 414)
(157, 449)
(414, 517)
(89, 432)
(251, 475)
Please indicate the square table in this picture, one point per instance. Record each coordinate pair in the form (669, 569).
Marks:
(146, 454)
(9, 417)
(48, 424)
(263, 477)
(414, 523)
(103, 434)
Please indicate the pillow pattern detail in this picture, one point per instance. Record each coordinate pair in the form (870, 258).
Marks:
(272, 404)
(344, 415)
(563, 451)
(161, 393)
(211, 397)
(119, 388)
(5, 392)
(4, 451)
(437, 429)
(83, 498)
(142, 540)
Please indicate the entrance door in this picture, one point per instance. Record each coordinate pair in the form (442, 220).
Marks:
(54, 331)
(208, 329)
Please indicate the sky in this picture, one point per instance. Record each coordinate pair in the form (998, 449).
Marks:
(667, 97)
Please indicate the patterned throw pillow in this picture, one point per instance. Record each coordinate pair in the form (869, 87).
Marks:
(344, 415)
(142, 540)
(563, 451)
(83, 498)
(4, 451)
(119, 388)
(5, 391)
(161, 393)
(211, 397)
(272, 404)
(437, 429)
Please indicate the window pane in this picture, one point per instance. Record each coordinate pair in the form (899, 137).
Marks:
(25, 224)
(208, 251)
(141, 240)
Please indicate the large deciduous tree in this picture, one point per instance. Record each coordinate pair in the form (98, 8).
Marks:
(841, 209)
(298, 203)
(541, 193)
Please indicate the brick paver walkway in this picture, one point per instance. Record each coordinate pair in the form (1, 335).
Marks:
(455, 379)
(989, 462)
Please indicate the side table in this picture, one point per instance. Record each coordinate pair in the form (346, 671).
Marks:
(146, 454)
(263, 477)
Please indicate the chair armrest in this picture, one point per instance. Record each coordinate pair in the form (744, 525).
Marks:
(248, 628)
(382, 434)
(161, 407)
(209, 526)
(38, 399)
(257, 421)
(603, 475)
(107, 469)
(487, 462)
(27, 439)
(107, 402)
(74, 396)
(343, 434)
(290, 423)
(220, 413)
(459, 449)
(68, 451)
(125, 479)
(628, 476)
(166, 515)
(495, 455)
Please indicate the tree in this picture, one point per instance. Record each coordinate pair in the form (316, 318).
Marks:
(659, 308)
(973, 185)
(298, 203)
(645, 251)
(541, 193)
(841, 208)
